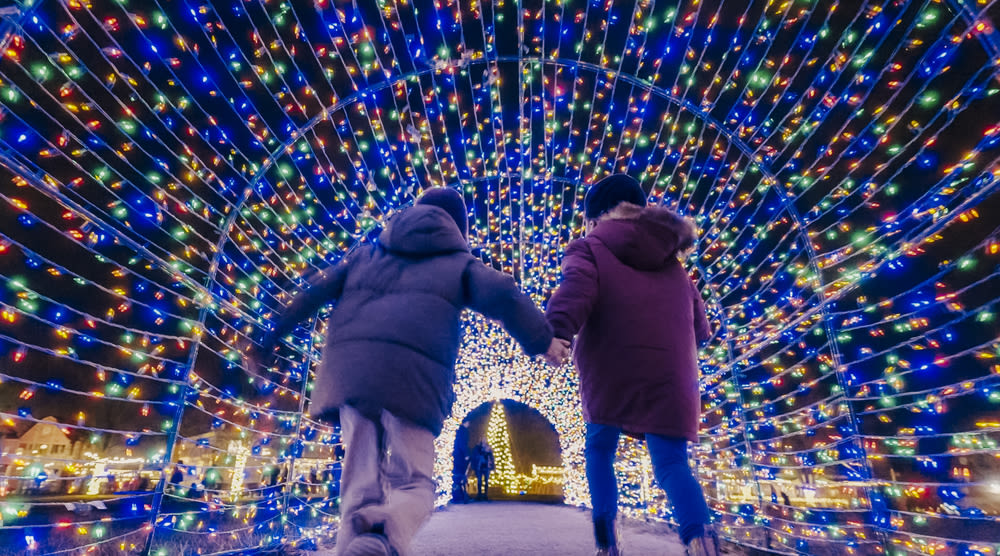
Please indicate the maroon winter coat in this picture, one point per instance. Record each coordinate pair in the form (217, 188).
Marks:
(639, 317)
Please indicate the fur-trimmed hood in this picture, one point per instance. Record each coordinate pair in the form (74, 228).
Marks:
(645, 238)
(636, 317)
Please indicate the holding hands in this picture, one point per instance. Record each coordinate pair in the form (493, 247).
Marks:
(558, 352)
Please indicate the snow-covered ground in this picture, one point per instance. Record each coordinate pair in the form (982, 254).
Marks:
(526, 529)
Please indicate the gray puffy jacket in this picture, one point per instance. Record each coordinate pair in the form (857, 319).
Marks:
(394, 334)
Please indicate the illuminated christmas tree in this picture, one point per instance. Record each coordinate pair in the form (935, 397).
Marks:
(499, 439)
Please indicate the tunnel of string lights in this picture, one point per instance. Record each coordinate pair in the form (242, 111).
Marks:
(170, 170)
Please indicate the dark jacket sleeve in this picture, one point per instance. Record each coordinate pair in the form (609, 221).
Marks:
(702, 330)
(322, 287)
(574, 299)
(496, 295)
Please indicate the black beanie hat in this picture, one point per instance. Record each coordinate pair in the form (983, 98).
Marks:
(452, 202)
(607, 193)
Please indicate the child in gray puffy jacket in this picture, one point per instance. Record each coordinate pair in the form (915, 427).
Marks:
(387, 370)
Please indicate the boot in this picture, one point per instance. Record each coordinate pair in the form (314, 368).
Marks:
(606, 537)
(706, 544)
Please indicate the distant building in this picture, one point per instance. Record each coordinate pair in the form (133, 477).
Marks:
(44, 456)
(46, 438)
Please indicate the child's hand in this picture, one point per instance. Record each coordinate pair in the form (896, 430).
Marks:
(558, 352)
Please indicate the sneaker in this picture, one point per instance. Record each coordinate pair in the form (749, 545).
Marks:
(370, 544)
(611, 551)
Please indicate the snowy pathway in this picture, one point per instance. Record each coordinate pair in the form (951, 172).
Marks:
(526, 529)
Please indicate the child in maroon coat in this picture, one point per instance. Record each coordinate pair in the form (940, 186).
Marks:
(637, 319)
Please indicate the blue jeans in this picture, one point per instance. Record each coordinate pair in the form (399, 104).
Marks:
(670, 467)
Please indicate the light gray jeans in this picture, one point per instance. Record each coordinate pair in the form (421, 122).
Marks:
(387, 477)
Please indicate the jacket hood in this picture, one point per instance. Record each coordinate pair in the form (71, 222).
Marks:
(645, 238)
(422, 230)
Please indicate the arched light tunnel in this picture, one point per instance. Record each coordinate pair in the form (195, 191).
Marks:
(171, 170)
